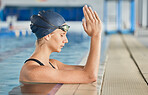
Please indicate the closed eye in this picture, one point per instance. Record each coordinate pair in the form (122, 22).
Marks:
(62, 35)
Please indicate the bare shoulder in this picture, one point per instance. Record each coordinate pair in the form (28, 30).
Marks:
(27, 71)
(54, 61)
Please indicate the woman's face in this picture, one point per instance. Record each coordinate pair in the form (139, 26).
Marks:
(58, 40)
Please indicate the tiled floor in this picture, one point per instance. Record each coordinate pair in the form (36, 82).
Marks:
(122, 76)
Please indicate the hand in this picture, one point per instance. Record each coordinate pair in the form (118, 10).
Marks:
(92, 23)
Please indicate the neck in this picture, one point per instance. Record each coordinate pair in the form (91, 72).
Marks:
(42, 53)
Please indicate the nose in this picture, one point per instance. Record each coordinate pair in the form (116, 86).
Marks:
(65, 40)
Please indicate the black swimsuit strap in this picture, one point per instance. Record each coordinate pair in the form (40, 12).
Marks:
(52, 65)
(35, 61)
(39, 62)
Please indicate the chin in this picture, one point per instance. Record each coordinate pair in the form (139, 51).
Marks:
(59, 50)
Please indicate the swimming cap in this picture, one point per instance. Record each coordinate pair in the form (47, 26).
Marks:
(45, 22)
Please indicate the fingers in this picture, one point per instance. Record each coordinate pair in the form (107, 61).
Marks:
(85, 14)
(84, 24)
(88, 13)
(96, 15)
(93, 15)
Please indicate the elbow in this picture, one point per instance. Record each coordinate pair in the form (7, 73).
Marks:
(92, 78)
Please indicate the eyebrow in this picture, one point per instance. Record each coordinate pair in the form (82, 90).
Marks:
(63, 32)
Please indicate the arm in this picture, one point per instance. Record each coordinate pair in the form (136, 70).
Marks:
(93, 60)
(93, 28)
(45, 74)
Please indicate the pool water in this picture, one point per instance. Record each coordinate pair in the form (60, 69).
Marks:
(14, 51)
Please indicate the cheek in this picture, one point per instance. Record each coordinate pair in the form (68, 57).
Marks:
(57, 40)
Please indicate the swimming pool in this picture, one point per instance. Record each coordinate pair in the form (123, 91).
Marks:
(14, 51)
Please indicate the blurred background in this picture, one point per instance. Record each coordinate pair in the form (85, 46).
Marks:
(15, 14)
(17, 42)
(117, 15)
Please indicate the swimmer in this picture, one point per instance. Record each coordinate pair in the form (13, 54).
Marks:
(50, 29)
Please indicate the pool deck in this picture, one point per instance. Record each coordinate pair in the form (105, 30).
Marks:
(125, 72)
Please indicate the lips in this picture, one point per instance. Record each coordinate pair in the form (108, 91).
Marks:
(62, 46)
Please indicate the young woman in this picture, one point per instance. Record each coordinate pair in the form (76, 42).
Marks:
(50, 29)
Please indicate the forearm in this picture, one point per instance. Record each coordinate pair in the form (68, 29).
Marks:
(93, 60)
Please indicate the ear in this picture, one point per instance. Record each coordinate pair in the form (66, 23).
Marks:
(47, 37)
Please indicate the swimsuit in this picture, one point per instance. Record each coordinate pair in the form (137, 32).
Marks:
(38, 62)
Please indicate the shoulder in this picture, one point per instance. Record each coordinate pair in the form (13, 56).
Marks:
(37, 74)
(59, 64)
(54, 61)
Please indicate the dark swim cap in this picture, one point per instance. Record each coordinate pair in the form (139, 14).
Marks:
(45, 22)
